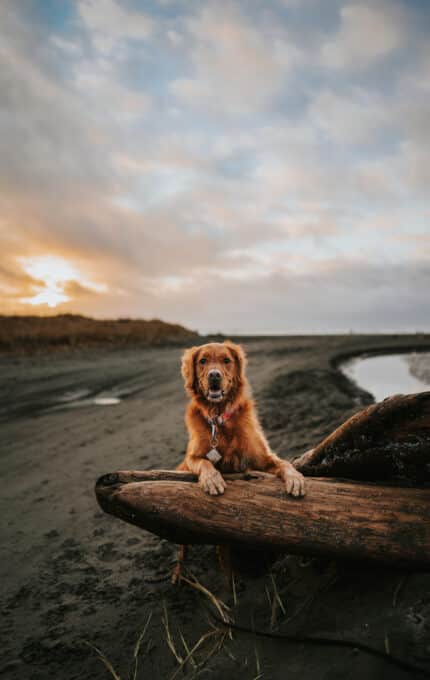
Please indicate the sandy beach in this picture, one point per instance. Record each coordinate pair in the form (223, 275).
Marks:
(71, 575)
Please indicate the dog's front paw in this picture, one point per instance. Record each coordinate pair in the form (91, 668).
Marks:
(294, 483)
(212, 482)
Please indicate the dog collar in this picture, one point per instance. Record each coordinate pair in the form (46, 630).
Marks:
(221, 419)
(218, 420)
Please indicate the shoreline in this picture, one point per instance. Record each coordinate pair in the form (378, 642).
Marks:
(340, 359)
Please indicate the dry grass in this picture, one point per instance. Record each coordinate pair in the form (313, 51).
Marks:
(219, 634)
(103, 658)
(169, 639)
(138, 646)
(40, 333)
(219, 605)
(206, 636)
(275, 602)
(190, 656)
(399, 588)
(136, 653)
(258, 671)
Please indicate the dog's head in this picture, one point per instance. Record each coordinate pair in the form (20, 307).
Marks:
(215, 372)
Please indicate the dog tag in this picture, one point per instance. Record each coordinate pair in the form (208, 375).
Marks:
(214, 456)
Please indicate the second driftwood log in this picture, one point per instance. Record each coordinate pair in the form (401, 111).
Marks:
(387, 441)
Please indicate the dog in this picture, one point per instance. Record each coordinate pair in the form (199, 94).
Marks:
(225, 434)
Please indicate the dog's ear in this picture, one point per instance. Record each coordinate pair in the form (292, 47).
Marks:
(188, 369)
(240, 359)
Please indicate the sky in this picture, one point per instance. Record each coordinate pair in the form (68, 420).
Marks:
(246, 167)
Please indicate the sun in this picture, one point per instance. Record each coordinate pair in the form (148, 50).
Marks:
(52, 274)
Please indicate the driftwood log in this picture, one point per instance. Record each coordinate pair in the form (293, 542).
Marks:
(388, 442)
(336, 518)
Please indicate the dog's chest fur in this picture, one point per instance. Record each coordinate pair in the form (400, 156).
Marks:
(230, 447)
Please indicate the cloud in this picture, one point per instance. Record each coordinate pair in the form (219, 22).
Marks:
(353, 117)
(110, 24)
(238, 66)
(104, 96)
(368, 32)
(15, 282)
(334, 297)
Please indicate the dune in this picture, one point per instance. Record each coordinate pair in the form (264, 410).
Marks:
(43, 333)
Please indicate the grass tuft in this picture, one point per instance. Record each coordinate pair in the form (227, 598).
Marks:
(103, 658)
(200, 641)
(169, 638)
(138, 645)
(219, 605)
(136, 653)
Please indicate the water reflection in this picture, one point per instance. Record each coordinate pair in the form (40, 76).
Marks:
(106, 401)
(386, 375)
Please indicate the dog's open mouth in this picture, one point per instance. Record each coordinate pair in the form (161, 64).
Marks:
(215, 395)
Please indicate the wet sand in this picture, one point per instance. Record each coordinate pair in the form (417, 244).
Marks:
(71, 574)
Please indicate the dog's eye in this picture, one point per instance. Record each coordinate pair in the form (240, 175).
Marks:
(227, 360)
(202, 361)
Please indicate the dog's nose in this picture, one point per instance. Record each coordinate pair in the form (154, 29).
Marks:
(214, 375)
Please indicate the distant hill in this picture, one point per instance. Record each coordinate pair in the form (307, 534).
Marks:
(41, 333)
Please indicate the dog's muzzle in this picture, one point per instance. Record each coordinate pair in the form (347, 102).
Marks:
(215, 392)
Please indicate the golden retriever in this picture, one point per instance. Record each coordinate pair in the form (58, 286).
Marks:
(221, 419)
(224, 431)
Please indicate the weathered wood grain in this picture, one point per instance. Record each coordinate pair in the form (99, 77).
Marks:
(336, 518)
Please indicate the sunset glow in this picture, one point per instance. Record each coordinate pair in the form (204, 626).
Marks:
(48, 296)
(51, 275)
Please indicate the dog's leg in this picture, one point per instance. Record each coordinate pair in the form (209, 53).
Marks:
(292, 478)
(180, 559)
(210, 479)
